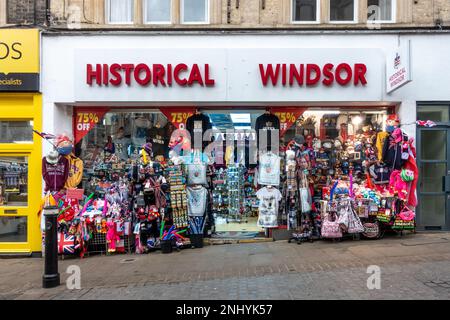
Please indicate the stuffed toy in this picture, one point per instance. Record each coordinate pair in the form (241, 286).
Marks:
(111, 236)
(397, 185)
(146, 153)
(175, 158)
(290, 160)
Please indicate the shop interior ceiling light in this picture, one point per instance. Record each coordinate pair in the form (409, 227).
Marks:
(319, 113)
(240, 117)
(242, 127)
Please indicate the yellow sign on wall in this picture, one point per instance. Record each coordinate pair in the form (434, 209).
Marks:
(19, 60)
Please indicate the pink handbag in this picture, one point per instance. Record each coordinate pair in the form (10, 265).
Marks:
(331, 229)
(407, 214)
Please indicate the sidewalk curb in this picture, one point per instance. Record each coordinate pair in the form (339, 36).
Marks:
(236, 241)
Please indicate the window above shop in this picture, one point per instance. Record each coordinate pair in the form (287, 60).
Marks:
(343, 11)
(158, 11)
(120, 11)
(305, 11)
(195, 11)
(381, 11)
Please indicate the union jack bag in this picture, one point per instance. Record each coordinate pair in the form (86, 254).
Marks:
(67, 244)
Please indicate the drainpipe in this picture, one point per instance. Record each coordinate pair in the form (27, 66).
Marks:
(47, 13)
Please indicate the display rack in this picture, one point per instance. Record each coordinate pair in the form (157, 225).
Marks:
(220, 194)
(236, 194)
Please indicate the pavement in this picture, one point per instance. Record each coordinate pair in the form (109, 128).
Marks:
(412, 266)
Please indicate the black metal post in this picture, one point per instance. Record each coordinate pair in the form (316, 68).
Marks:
(51, 278)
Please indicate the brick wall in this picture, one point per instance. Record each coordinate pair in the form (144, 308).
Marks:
(25, 11)
(250, 13)
(2, 12)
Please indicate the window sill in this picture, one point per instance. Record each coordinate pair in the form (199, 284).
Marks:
(305, 22)
(121, 23)
(193, 23)
(342, 22)
(167, 23)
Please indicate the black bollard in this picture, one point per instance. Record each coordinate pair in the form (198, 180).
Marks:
(51, 278)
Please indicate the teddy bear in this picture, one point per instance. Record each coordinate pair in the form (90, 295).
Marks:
(397, 185)
(290, 160)
(111, 236)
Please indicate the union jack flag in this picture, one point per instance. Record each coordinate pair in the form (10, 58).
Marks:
(66, 244)
(44, 135)
(396, 61)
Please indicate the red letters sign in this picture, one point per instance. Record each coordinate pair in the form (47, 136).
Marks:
(143, 74)
(183, 75)
(86, 119)
(312, 74)
(287, 116)
(178, 116)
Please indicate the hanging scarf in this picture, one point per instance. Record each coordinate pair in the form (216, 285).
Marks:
(411, 164)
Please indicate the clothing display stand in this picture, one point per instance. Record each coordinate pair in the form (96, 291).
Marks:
(269, 196)
(236, 194)
(197, 198)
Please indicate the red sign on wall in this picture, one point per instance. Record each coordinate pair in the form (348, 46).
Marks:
(86, 119)
(287, 116)
(178, 116)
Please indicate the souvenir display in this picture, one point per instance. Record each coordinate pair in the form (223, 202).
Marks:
(269, 199)
(129, 187)
(178, 197)
(266, 124)
(235, 187)
(269, 169)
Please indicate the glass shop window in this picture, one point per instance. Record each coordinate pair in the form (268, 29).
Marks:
(13, 229)
(16, 131)
(122, 135)
(434, 113)
(13, 181)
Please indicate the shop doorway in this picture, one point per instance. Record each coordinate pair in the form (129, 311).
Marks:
(234, 201)
(433, 155)
(434, 178)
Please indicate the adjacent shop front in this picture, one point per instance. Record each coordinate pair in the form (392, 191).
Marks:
(20, 151)
(123, 99)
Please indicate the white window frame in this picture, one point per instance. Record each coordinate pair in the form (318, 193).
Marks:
(306, 22)
(355, 14)
(393, 15)
(196, 22)
(107, 16)
(157, 22)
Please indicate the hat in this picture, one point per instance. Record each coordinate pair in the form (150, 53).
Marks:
(299, 139)
(63, 140)
(52, 157)
(393, 117)
(148, 147)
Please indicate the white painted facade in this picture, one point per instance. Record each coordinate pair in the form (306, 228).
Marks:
(233, 61)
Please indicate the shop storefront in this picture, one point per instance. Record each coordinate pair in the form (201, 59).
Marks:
(122, 98)
(20, 150)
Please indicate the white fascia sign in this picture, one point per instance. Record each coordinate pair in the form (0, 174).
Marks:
(398, 67)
